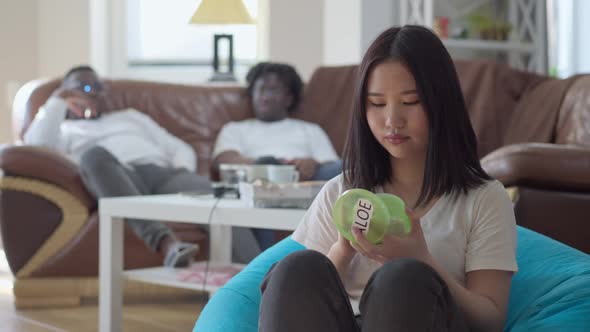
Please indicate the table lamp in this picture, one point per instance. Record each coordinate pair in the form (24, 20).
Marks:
(217, 12)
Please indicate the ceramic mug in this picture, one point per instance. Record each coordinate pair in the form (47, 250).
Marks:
(256, 172)
(282, 174)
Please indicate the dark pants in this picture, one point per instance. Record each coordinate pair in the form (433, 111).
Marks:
(105, 176)
(303, 292)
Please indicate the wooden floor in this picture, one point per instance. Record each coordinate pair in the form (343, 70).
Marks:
(169, 316)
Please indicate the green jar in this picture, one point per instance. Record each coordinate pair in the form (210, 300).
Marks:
(374, 214)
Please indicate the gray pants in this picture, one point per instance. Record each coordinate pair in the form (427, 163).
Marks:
(105, 176)
(303, 292)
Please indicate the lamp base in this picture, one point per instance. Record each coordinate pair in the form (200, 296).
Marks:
(223, 77)
(218, 74)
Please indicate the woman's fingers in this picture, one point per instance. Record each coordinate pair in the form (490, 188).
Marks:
(363, 245)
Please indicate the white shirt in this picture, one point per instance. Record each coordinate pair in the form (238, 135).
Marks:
(131, 136)
(287, 138)
(474, 232)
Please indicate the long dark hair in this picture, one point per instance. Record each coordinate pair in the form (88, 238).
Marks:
(452, 164)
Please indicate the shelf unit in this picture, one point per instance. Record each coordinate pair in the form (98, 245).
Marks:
(489, 45)
(527, 44)
(166, 276)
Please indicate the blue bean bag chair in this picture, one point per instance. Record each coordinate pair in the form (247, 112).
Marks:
(551, 291)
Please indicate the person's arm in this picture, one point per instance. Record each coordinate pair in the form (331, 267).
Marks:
(45, 129)
(228, 146)
(231, 157)
(341, 254)
(320, 151)
(490, 259)
(317, 231)
(489, 263)
(305, 166)
(183, 155)
(321, 146)
(484, 299)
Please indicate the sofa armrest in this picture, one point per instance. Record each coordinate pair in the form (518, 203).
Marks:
(45, 165)
(541, 165)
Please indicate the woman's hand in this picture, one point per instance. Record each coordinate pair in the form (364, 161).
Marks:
(393, 247)
(343, 247)
(341, 253)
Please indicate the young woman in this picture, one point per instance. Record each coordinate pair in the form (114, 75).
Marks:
(410, 136)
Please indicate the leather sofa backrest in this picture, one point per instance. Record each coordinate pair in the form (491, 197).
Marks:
(195, 114)
(573, 125)
(327, 101)
(505, 105)
(491, 93)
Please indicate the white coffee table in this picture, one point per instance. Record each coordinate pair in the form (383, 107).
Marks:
(178, 208)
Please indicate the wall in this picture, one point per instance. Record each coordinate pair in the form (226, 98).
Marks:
(18, 37)
(290, 31)
(342, 32)
(305, 33)
(350, 26)
(39, 38)
(295, 33)
(581, 45)
(64, 35)
(376, 16)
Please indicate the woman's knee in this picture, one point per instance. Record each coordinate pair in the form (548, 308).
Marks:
(301, 269)
(302, 262)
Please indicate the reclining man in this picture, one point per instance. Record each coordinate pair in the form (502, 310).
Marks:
(273, 138)
(120, 153)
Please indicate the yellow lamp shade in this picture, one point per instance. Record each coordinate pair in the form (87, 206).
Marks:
(221, 12)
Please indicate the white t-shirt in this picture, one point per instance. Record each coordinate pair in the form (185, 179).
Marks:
(131, 136)
(473, 232)
(288, 138)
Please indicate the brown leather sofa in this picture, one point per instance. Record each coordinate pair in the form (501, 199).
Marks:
(534, 136)
(533, 131)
